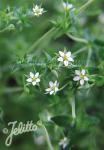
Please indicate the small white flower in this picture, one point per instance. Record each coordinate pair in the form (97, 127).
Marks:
(67, 6)
(38, 11)
(53, 88)
(33, 78)
(65, 57)
(64, 142)
(80, 76)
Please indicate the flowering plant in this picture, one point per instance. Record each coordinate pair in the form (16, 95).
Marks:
(52, 71)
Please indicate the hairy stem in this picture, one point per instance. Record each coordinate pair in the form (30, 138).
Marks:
(47, 138)
(63, 86)
(3, 30)
(73, 108)
(10, 27)
(85, 6)
(77, 39)
(89, 57)
(12, 90)
(80, 50)
(41, 39)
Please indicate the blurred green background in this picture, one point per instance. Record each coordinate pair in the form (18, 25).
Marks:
(19, 30)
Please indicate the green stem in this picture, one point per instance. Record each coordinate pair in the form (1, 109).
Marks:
(47, 138)
(3, 30)
(84, 6)
(89, 57)
(12, 90)
(41, 39)
(73, 108)
(80, 50)
(8, 28)
(77, 39)
(63, 86)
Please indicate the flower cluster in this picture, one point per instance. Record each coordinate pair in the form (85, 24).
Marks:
(38, 10)
(66, 59)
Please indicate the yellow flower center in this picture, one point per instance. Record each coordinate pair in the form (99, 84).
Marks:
(82, 76)
(65, 58)
(34, 79)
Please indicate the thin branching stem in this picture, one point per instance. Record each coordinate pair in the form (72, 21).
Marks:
(12, 90)
(41, 39)
(89, 57)
(5, 29)
(80, 50)
(47, 138)
(73, 108)
(77, 39)
(83, 7)
(63, 86)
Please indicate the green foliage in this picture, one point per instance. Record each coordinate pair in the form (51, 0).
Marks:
(31, 44)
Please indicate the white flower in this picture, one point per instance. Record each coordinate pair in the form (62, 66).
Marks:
(33, 78)
(80, 76)
(65, 57)
(38, 10)
(67, 6)
(53, 88)
(64, 142)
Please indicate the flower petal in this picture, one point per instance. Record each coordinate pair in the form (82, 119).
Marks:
(34, 83)
(56, 89)
(41, 9)
(61, 53)
(36, 7)
(60, 59)
(55, 84)
(48, 89)
(83, 72)
(37, 80)
(70, 6)
(51, 92)
(82, 82)
(68, 54)
(33, 9)
(71, 59)
(64, 4)
(36, 14)
(76, 78)
(86, 78)
(29, 80)
(31, 75)
(37, 74)
(66, 63)
(51, 84)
